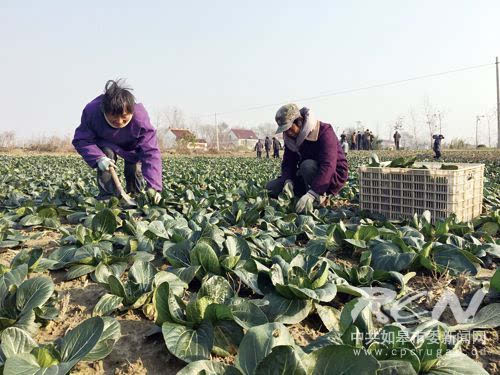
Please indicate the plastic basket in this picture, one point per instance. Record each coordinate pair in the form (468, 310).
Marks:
(399, 193)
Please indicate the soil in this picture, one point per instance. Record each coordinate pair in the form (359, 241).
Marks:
(306, 331)
(138, 353)
(6, 256)
(135, 352)
(486, 351)
(46, 239)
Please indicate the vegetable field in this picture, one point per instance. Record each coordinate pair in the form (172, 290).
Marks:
(213, 277)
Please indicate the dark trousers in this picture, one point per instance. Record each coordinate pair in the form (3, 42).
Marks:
(134, 180)
(276, 154)
(301, 183)
(397, 144)
(438, 153)
(267, 153)
(259, 154)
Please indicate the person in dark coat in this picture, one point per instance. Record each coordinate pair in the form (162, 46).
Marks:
(267, 146)
(359, 141)
(276, 148)
(366, 139)
(397, 137)
(437, 145)
(113, 125)
(313, 163)
(342, 137)
(258, 147)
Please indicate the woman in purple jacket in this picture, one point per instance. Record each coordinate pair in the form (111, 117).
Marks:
(314, 163)
(114, 124)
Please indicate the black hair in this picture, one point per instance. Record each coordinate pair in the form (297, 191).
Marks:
(117, 98)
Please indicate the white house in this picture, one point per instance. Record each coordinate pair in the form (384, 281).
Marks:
(199, 144)
(242, 138)
(172, 137)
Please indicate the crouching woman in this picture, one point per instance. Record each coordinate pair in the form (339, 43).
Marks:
(314, 163)
(113, 125)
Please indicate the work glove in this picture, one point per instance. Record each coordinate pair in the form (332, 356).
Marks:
(288, 187)
(305, 200)
(104, 163)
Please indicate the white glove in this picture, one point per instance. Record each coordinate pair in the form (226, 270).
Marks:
(104, 163)
(303, 202)
(289, 184)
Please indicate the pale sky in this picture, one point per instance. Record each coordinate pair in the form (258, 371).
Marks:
(226, 56)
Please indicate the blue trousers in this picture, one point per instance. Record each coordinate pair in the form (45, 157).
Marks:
(306, 173)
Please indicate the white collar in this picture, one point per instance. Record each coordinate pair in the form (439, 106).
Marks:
(115, 127)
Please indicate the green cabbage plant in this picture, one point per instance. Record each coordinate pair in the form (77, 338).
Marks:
(296, 285)
(211, 320)
(91, 340)
(25, 303)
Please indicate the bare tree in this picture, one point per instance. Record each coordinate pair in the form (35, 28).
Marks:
(377, 129)
(169, 117)
(207, 132)
(430, 117)
(265, 129)
(399, 123)
(491, 116)
(166, 118)
(7, 139)
(389, 128)
(158, 119)
(175, 117)
(414, 127)
(406, 139)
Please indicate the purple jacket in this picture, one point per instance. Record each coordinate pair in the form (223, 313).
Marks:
(135, 142)
(323, 146)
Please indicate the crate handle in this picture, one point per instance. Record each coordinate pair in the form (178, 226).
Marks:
(470, 176)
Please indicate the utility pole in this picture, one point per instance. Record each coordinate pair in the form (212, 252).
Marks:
(498, 107)
(217, 131)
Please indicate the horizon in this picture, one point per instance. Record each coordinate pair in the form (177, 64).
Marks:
(243, 61)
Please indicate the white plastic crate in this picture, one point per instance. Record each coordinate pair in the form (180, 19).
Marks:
(399, 193)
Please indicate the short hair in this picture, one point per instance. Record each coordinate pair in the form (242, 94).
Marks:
(117, 98)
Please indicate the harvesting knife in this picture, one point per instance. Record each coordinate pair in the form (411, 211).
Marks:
(119, 186)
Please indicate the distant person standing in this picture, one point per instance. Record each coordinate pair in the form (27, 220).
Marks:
(258, 147)
(371, 137)
(345, 146)
(397, 137)
(353, 141)
(359, 140)
(276, 148)
(342, 137)
(366, 139)
(437, 145)
(267, 146)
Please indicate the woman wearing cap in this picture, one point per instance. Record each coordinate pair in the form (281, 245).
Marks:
(114, 124)
(314, 163)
